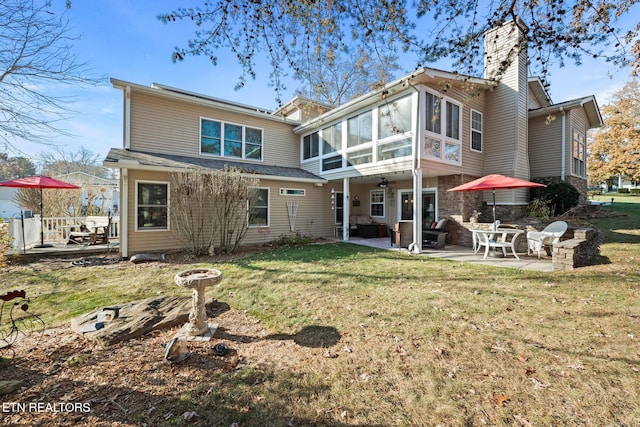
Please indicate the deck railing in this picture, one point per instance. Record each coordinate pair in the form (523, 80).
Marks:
(56, 229)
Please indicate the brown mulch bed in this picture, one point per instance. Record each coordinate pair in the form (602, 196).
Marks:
(67, 380)
(78, 382)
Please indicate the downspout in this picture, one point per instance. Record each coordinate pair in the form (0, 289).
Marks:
(127, 118)
(564, 144)
(124, 213)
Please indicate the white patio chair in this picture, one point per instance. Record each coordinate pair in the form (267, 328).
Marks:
(551, 235)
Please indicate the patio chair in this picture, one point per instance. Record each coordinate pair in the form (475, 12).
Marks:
(546, 238)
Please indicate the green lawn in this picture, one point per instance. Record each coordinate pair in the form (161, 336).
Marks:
(423, 341)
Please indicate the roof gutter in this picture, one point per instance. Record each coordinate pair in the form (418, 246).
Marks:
(135, 165)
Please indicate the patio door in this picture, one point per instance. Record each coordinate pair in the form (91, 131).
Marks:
(428, 205)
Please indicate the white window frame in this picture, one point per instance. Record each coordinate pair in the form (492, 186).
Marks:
(137, 206)
(442, 137)
(222, 140)
(472, 130)
(294, 192)
(268, 207)
(310, 158)
(383, 203)
(579, 138)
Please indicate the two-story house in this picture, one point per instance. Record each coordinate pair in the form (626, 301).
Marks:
(390, 155)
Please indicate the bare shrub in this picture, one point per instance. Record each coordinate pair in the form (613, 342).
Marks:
(206, 205)
(192, 214)
(232, 193)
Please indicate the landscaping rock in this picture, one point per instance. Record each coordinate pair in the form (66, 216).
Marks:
(135, 319)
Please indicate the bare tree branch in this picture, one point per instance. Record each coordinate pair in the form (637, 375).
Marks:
(36, 58)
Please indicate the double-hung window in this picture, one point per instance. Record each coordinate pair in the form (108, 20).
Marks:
(311, 146)
(230, 140)
(476, 131)
(152, 205)
(442, 125)
(376, 203)
(579, 154)
(259, 208)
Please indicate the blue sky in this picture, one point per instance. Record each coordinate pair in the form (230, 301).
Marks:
(123, 39)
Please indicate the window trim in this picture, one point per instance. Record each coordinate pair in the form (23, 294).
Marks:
(294, 192)
(383, 203)
(137, 206)
(582, 147)
(222, 140)
(442, 137)
(472, 130)
(313, 157)
(268, 207)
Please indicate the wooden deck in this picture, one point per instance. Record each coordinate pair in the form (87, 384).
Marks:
(61, 250)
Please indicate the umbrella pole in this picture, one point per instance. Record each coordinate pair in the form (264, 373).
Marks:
(42, 245)
(494, 205)
(24, 243)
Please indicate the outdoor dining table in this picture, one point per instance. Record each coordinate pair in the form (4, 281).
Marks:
(489, 239)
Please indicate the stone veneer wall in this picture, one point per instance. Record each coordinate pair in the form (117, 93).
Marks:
(454, 203)
(463, 203)
(581, 186)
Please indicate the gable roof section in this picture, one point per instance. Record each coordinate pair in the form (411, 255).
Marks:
(539, 91)
(139, 160)
(588, 103)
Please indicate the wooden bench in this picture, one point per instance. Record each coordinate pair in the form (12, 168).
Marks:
(94, 231)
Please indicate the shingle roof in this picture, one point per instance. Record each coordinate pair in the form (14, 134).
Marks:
(144, 160)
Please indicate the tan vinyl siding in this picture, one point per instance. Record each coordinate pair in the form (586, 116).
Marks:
(173, 127)
(532, 101)
(545, 146)
(506, 116)
(521, 166)
(314, 216)
(148, 240)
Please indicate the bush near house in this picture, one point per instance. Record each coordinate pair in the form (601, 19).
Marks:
(559, 196)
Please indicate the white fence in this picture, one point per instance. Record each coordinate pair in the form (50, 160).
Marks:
(26, 233)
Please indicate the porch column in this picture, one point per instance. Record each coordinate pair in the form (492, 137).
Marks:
(346, 211)
(417, 211)
(124, 213)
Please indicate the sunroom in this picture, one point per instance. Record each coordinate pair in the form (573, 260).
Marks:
(383, 154)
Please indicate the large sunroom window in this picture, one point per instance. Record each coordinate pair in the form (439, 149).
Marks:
(359, 129)
(394, 117)
(443, 128)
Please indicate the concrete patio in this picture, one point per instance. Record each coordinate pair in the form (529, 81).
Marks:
(464, 254)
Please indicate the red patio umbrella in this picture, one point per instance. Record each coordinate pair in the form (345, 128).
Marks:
(495, 182)
(39, 181)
